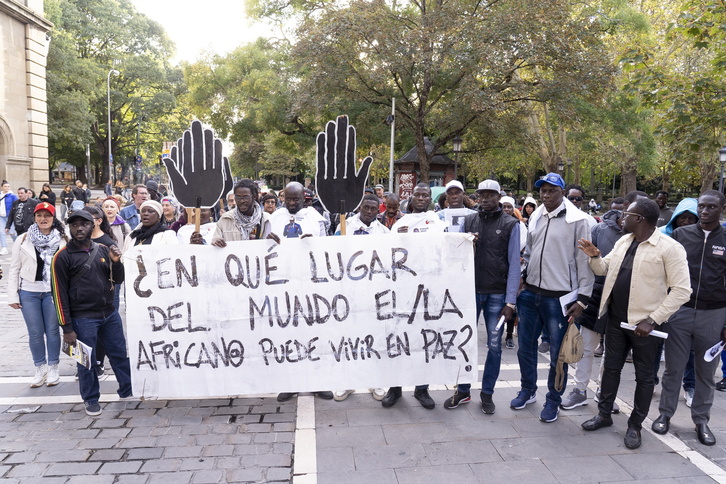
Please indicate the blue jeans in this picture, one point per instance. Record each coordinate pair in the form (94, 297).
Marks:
(3, 237)
(536, 311)
(43, 330)
(109, 331)
(491, 305)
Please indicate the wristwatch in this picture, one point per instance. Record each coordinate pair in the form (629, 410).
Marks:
(584, 306)
(511, 306)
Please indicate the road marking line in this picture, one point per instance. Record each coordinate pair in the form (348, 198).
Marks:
(305, 469)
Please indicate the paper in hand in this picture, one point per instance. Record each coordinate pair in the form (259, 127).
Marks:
(655, 332)
(714, 351)
(80, 352)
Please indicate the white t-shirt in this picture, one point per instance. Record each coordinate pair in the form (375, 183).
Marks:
(420, 222)
(305, 221)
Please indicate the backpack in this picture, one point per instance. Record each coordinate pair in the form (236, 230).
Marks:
(571, 351)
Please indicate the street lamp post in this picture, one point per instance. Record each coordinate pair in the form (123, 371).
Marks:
(457, 149)
(722, 159)
(112, 172)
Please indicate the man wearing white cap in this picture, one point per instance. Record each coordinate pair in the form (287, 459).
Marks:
(455, 211)
(496, 276)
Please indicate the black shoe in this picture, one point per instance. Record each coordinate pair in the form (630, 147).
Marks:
(632, 438)
(284, 397)
(100, 369)
(456, 400)
(426, 401)
(721, 386)
(661, 425)
(487, 405)
(325, 395)
(597, 422)
(393, 394)
(705, 436)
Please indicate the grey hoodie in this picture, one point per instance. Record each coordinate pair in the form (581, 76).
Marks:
(554, 263)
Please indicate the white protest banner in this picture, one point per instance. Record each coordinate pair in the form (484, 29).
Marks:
(319, 313)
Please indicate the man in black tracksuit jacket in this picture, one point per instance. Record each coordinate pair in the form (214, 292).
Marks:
(700, 321)
(83, 291)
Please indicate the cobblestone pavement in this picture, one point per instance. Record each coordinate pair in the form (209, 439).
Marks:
(46, 437)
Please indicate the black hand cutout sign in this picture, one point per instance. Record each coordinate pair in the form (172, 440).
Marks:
(340, 186)
(198, 173)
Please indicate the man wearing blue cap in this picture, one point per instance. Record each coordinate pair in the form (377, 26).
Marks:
(555, 267)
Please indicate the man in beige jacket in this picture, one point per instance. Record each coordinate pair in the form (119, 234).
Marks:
(646, 282)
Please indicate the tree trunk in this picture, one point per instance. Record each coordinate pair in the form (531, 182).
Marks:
(424, 159)
(628, 177)
(708, 172)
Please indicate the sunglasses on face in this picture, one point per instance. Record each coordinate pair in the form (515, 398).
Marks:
(575, 199)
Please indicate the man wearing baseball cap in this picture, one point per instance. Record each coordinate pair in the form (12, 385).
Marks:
(496, 277)
(555, 267)
(455, 210)
(89, 271)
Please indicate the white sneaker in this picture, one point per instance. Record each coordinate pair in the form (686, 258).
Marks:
(340, 395)
(4, 251)
(53, 376)
(377, 393)
(41, 372)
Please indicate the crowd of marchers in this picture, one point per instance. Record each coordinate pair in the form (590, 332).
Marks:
(640, 266)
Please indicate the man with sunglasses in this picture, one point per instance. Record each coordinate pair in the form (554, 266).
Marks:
(576, 195)
(646, 281)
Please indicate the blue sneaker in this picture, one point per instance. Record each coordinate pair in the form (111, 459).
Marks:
(549, 412)
(523, 399)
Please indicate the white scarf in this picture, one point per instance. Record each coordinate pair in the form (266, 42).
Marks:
(46, 245)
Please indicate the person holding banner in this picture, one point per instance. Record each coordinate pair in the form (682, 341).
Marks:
(294, 220)
(363, 223)
(455, 211)
(646, 281)
(83, 275)
(151, 230)
(497, 274)
(699, 323)
(419, 221)
(246, 221)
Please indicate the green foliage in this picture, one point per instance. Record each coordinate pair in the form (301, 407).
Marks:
(90, 38)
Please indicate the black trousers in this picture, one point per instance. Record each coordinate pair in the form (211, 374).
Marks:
(618, 342)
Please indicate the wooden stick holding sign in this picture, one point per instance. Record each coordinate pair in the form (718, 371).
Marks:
(198, 173)
(339, 184)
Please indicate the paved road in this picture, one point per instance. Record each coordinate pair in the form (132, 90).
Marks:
(45, 436)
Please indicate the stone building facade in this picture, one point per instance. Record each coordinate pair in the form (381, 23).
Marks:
(24, 40)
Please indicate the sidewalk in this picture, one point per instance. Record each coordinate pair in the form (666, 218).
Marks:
(45, 436)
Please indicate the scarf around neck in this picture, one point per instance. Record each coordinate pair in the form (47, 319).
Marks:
(246, 223)
(143, 235)
(46, 245)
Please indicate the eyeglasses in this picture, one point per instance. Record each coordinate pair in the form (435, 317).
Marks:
(244, 198)
(633, 214)
(575, 199)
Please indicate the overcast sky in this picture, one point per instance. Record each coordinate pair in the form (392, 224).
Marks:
(207, 25)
